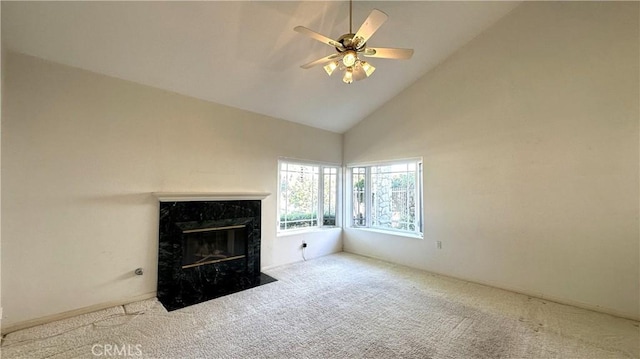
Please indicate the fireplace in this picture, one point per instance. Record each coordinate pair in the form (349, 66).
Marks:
(207, 249)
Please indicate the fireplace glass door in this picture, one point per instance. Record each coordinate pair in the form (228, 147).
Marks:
(203, 246)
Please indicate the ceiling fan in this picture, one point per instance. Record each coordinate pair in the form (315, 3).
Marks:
(349, 46)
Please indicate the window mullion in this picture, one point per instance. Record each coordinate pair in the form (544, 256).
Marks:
(320, 207)
(419, 192)
(286, 198)
(368, 206)
(417, 200)
(407, 206)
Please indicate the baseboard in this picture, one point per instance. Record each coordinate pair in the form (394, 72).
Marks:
(267, 268)
(72, 313)
(273, 266)
(548, 298)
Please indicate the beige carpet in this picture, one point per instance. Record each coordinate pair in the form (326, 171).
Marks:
(340, 306)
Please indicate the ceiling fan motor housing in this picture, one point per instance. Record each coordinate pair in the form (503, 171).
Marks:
(349, 42)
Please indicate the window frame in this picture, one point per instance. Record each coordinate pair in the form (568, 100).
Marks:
(320, 195)
(419, 190)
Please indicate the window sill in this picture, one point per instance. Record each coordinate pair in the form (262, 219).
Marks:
(293, 232)
(391, 233)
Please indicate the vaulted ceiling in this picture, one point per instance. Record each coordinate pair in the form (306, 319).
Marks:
(245, 54)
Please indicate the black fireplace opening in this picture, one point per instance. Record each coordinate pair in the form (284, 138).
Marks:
(208, 249)
(212, 242)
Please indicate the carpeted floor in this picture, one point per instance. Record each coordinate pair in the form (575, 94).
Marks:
(340, 306)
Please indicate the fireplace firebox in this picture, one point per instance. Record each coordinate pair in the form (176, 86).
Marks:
(212, 242)
(207, 249)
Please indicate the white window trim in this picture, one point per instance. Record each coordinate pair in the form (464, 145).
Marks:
(339, 191)
(297, 231)
(348, 208)
(391, 232)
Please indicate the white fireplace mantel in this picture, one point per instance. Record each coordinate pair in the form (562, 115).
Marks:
(209, 196)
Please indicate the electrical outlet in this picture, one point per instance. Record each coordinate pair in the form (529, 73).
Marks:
(439, 244)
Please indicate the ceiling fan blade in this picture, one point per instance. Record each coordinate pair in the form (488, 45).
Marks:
(314, 35)
(321, 61)
(388, 53)
(369, 27)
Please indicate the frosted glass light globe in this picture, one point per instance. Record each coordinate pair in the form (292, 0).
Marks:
(349, 58)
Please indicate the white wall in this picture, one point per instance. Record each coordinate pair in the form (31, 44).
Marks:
(530, 142)
(81, 154)
(2, 52)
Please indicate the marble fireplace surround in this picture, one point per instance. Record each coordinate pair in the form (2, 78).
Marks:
(179, 285)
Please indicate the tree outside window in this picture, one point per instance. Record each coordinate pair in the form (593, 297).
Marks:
(307, 195)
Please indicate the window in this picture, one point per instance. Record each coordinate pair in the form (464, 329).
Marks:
(388, 196)
(308, 195)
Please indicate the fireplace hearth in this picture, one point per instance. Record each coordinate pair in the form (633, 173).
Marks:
(207, 249)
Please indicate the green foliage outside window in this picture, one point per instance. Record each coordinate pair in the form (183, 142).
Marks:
(304, 191)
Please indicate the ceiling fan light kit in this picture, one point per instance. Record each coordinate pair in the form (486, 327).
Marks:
(368, 69)
(348, 76)
(350, 45)
(332, 66)
(349, 58)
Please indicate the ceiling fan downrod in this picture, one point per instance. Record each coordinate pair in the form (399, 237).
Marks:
(350, 16)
